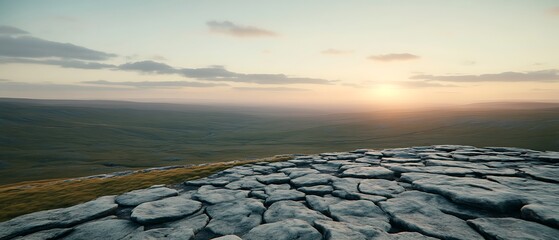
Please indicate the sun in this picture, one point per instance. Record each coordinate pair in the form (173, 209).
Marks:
(387, 95)
(386, 91)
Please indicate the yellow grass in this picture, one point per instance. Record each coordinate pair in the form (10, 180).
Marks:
(26, 197)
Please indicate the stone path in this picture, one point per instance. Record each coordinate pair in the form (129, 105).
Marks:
(435, 192)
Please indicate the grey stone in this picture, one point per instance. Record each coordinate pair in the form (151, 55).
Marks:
(258, 194)
(512, 228)
(544, 173)
(346, 184)
(472, 191)
(346, 195)
(281, 195)
(298, 172)
(422, 217)
(195, 223)
(548, 156)
(546, 214)
(54, 233)
(137, 197)
(275, 178)
(58, 218)
(104, 229)
(372, 198)
(283, 210)
(273, 187)
(368, 160)
(164, 210)
(325, 167)
(321, 203)
(236, 217)
(282, 165)
(359, 212)
(218, 182)
(380, 187)
(216, 195)
(264, 169)
(291, 229)
(246, 183)
(228, 237)
(312, 180)
(444, 205)
(369, 172)
(344, 231)
(317, 190)
(401, 160)
(352, 165)
(453, 171)
(489, 158)
(162, 233)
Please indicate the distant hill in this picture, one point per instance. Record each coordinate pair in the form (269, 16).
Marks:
(53, 139)
(513, 105)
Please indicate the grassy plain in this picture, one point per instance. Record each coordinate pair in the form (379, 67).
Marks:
(62, 139)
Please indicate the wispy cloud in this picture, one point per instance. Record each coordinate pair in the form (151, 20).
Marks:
(13, 86)
(220, 74)
(155, 84)
(15, 42)
(61, 63)
(232, 29)
(11, 31)
(332, 51)
(272, 89)
(551, 75)
(393, 57)
(148, 67)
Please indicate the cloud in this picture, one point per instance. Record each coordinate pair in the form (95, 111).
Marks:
(12, 86)
(551, 75)
(155, 84)
(60, 63)
(332, 51)
(232, 29)
(272, 89)
(11, 31)
(148, 67)
(219, 73)
(31, 47)
(393, 57)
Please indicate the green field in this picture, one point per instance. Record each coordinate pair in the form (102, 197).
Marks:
(60, 139)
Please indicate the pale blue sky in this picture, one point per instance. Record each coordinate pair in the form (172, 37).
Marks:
(480, 39)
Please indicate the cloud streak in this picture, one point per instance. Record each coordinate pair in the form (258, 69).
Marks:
(12, 86)
(272, 89)
(232, 29)
(61, 63)
(155, 84)
(393, 57)
(11, 31)
(31, 47)
(551, 75)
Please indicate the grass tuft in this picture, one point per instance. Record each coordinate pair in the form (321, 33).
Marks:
(27, 197)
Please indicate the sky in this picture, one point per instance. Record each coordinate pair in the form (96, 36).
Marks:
(316, 53)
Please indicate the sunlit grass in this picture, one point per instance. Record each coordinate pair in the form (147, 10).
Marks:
(26, 197)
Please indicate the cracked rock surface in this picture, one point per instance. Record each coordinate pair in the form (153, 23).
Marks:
(428, 192)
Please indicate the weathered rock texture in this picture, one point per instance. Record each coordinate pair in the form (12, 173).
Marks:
(434, 192)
